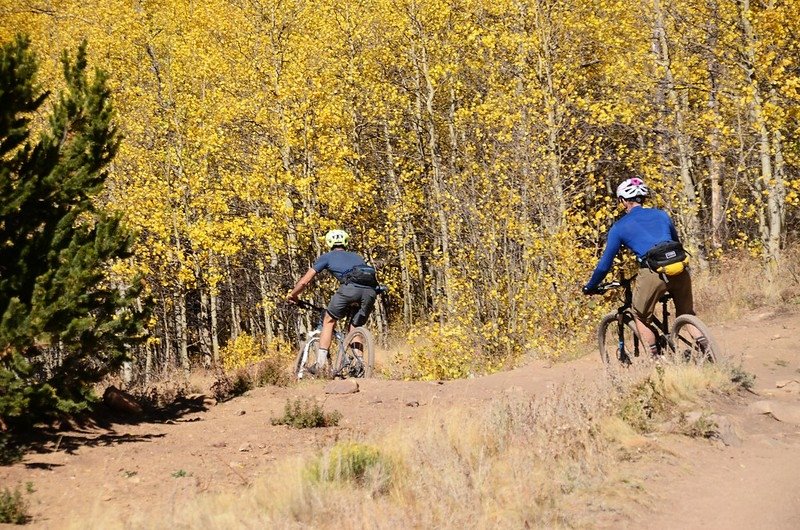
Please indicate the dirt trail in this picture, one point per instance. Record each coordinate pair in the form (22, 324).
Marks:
(755, 485)
(138, 470)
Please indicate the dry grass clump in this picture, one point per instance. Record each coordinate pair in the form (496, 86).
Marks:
(738, 283)
(669, 391)
(228, 386)
(516, 462)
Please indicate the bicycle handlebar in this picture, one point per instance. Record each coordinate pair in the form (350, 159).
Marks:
(308, 305)
(605, 287)
(623, 283)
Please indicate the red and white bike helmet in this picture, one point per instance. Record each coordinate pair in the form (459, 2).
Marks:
(632, 188)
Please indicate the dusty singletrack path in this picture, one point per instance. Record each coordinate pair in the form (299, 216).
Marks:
(139, 471)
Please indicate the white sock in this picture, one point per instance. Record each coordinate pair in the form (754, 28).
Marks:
(322, 356)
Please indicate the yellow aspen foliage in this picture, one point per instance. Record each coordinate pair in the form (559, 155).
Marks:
(471, 148)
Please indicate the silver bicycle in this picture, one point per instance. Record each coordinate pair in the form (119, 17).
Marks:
(355, 349)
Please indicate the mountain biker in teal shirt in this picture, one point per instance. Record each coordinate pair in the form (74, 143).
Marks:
(356, 294)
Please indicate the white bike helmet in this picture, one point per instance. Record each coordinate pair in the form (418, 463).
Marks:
(632, 188)
(337, 237)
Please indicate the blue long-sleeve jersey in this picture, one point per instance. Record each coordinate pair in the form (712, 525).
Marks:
(640, 230)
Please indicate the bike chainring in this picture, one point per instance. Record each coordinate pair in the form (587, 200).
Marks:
(353, 367)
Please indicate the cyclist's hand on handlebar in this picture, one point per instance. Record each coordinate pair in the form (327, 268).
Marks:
(291, 299)
(590, 292)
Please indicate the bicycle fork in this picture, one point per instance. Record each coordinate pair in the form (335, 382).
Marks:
(622, 355)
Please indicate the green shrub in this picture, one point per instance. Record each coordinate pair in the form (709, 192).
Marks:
(10, 452)
(13, 507)
(354, 463)
(302, 415)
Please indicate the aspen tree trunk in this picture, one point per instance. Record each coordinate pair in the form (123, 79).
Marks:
(426, 99)
(451, 127)
(248, 304)
(181, 331)
(714, 158)
(422, 281)
(524, 145)
(400, 241)
(148, 359)
(544, 70)
(169, 355)
(265, 311)
(236, 328)
(777, 201)
(213, 302)
(148, 363)
(205, 331)
(662, 56)
(203, 318)
(769, 183)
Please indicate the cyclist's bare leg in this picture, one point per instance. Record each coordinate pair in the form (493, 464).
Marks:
(356, 344)
(646, 333)
(325, 338)
(694, 332)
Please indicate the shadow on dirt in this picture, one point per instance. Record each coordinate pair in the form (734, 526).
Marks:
(69, 442)
(99, 428)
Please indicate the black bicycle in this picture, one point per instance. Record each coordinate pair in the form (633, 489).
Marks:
(688, 339)
(355, 349)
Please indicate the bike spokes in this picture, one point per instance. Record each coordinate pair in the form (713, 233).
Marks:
(353, 361)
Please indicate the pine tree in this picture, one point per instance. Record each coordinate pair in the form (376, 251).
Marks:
(62, 326)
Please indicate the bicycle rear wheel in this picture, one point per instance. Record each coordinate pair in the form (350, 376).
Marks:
(699, 347)
(627, 351)
(306, 363)
(357, 356)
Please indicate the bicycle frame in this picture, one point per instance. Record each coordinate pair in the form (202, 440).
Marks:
(337, 333)
(659, 326)
(687, 338)
(342, 361)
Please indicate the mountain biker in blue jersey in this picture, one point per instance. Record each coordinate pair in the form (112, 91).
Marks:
(642, 230)
(356, 294)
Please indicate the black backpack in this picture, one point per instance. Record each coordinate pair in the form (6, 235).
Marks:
(363, 275)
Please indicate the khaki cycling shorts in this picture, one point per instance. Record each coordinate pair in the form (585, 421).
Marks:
(649, 287)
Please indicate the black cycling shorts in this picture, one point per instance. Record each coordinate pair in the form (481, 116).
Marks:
(352, 300)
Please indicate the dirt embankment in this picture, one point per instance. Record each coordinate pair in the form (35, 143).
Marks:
(144, 469)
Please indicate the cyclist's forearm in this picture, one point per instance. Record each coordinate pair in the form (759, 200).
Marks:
(302, 283)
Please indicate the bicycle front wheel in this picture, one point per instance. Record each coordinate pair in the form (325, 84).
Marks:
(692, 341)
(357, 355)
(306, 363)
(626, 349)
